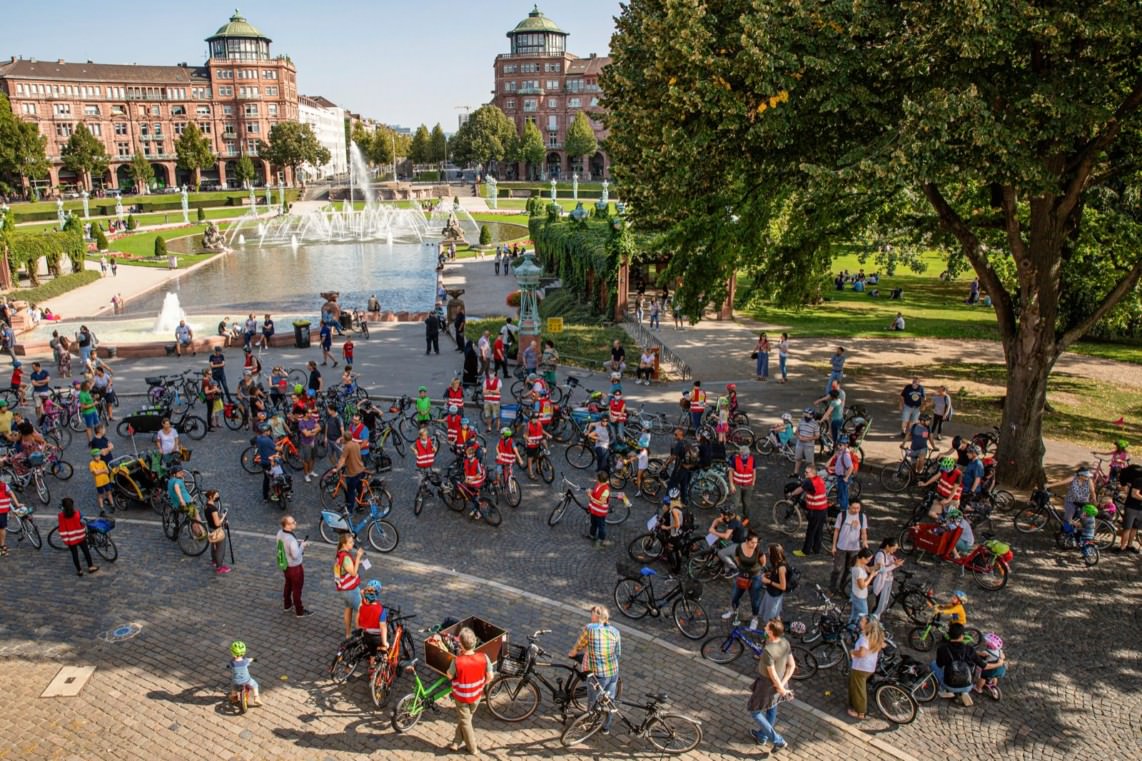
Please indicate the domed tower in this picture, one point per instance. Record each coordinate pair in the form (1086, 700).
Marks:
(537, 35)
(239, 40)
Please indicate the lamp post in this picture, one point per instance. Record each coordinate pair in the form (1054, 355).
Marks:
(527, 276)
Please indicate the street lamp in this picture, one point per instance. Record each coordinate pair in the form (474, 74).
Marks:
(527, 276)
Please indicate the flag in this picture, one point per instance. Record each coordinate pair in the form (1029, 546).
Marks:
(1120, 422)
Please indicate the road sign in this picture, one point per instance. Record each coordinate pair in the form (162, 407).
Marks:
(554, 324)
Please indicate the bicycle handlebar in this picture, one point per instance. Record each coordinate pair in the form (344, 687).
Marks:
(538, 633)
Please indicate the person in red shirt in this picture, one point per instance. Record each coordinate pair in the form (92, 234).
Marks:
(499, 356)
(474, 475)
(347, 351)
(372, 619)
(452, 423)
(17, 384)
(425, 450)
(507, 455)
(469, 672)
(7, 502)
(598, 504)
(73, 533)
(533, 441)
(454, 394)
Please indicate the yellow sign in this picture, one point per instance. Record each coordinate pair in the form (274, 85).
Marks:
(554, 324)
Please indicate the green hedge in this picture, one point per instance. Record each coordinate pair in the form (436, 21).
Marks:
(55, 287)
(171, 202)
(27, 248)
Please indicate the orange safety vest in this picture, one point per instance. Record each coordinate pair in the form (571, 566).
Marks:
(471, 672)
(505, 452)
(534, 432)
(455, 396)
(618, 411)
(425, 453)
(464, 435)
(697, 400)
(453, 424)
(492, 389)
(599, 499)
(342, 580)
(817, 499)
(473, 472)
(546, 410)
(743, 473)
(72, 531)
(949, 483)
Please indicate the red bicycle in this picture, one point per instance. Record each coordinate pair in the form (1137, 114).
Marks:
(989, 562)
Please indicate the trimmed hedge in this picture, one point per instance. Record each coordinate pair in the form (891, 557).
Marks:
(25, 249)
(55, 287)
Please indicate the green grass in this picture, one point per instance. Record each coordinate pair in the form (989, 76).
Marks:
(143, 245)
(932, 309)
(580, 344)
(55, 287)
(128, 200)
(567, 203)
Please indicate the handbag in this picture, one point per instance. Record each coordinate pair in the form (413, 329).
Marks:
(216, 535)
(741, 581)
(753, 355)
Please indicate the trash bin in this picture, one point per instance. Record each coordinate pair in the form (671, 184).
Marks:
(657, 352)
(346, 319)
(301, 335)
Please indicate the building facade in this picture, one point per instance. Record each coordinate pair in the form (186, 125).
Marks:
(539, 81)
(328, 123)
(235, 98)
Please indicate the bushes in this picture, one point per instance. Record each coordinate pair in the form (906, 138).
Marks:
(56, 287)
(131, 223)
(160, 247)
(201, 214)
(26, 249)
(485, 235)
(100, 238)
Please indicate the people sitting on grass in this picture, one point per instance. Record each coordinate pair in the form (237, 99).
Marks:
(898, 323)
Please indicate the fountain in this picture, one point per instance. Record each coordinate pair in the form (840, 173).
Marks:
(169, 316)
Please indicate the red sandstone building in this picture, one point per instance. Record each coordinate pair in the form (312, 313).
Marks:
(540, 82)
(234, 98)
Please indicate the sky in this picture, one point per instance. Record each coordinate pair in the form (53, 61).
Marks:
(396, 61)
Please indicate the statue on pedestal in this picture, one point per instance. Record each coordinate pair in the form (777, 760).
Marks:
(212, 239)
(452, 232)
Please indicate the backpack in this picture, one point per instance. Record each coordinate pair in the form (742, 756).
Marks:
(792, 578)
(283, 563)
(958, 674)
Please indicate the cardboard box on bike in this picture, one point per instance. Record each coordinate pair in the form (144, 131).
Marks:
(491, 642)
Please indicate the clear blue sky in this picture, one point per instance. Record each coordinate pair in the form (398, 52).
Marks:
(402, 62)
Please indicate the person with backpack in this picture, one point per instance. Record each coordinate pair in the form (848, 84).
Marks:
(850, 536)
(955, 664)
(776, 580)
(291, 555)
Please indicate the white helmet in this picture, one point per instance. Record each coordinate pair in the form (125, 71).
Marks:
(786, 417)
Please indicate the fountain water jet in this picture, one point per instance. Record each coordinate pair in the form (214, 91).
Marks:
(169, 316)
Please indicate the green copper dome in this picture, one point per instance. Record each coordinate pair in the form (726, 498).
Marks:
(238, 27)
(536, 22)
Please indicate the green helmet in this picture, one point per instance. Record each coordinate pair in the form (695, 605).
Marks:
(298, 388)
(955, 513)
(1122, 444)
(422, 390)
(947, 463)
(237, 648)
(505, 433)
(1090, 510)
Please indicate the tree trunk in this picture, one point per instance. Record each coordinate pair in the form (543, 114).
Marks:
(1020, 453)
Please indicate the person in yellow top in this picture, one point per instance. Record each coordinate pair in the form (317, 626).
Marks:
(954, 610)
(5, 420)
(102, 475)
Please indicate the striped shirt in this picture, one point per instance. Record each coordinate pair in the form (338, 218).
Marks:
(807, 430)
(604, 646)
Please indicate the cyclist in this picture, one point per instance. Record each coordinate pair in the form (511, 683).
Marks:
(537, 385)
(360, 433)
(372, 619)
(617, 415)
(177, 493)
(348, 382)
(743, 476)
(919, 442)
(816, 502)
(507, 454)
(533, 440)
(1119, 458)
(782, 434)
(730, 529)
(545, 408)
(425, 450)
(466, 435)
(347, 577)
(474, 476)
(599, 434)
(423, 406)
(240, 673)
(955, 520)
(454, 394)
(949, 483)
(279, 378)
(697, 399)
(722, 425)
(672, 522)
(995, 665)
(732, 397)
(808, 431)
(492, 391)
(954, 609)
(598, 504)
(973, 474)
(452, 422)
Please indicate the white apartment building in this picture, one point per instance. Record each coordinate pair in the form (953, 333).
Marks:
(328, 123)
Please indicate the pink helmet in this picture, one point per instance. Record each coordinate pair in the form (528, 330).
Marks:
(992, 641)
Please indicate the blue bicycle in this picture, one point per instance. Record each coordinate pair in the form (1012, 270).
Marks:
(725, 648)
(382, 534)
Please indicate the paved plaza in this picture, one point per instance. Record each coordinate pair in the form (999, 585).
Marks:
(1073, 689)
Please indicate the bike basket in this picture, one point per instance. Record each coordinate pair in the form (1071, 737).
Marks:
(691, 589)
(101, 525)
(684, 403)
(996, 547)
(184, 453)
(513, 660)
(35, 459)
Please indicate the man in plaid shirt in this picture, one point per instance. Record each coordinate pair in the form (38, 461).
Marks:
(601, 646)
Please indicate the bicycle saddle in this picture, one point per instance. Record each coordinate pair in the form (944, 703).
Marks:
(648, 571)
(661, 697)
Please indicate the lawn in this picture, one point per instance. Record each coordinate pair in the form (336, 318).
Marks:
(580, 345)
(932, 308)
(128, 200)
(143, 245)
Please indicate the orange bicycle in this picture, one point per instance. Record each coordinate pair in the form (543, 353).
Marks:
(401, 648)
(332, 487)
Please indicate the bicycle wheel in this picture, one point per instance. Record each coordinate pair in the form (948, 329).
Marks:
(383, 536)
(742, 437)
(895, 703)
(705, 493)
(1031, 519)
(194, 427)
(296, 377)
(454, 499)
(293, 459)
(61, 433)
(512, 698)
(806, 663)
(991, 576)
(618, 512)
(926, 689)
(407, 713)
(235, 420)
(915, 606)
(31, 532)
(329, 534)
(854, 488)
(1003, 500)
(690, 618)
(582, 728)
(674, 734)
(1104, 535)
(722, 649)
(921, 638)
(422, 495)
(192, 537)
(492, 515)
(1090, 554)
(787, 517)
(829, 654)
(546, 469)
(43, 494)
(580, 456)
(243, 700)
(62, 469)
(630, 597)
(381, 685)
(704, 566)
(558, 511)
(104, 545)
(973, 636)
(329, 486)
(247, 460)
(512, 492)
(53, 539)
(344, 663)
(170, 522)
(896, 477)
(645, 548)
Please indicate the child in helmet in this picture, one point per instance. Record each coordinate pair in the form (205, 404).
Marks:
(732, 398)
(507, 454)
(995, 665)
(1087, 523)
(372, 619)
(955, 519)
(452, 423)
(240, 673)
(949, 482)
(1119, 458)
(722, 427)
(782, 433)
(423, 406)
(954, 609)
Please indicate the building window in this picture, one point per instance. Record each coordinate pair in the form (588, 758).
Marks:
(253, 128)
(552, 123)
(552, 139)
(123, 149)
(228, 130)
(159, 149)
(225, 74)
(117, 110)
(272, 92)
(145, 130)
(574, 103)
(204, 128)
(251, 109)
(226, 92)
(95, 129)
(594, 102)
(63, 109)
(178, 110)
(509, 68)
(231, 148)
(269, 74)
(553, 102)
(272, 109)
(155, 111)
(179, 127)
(554, 68)
(252, 147)
(509, 86)
(146, 149)
(19, 88)
(64, 130)
(553, 84)
(529, 68)
(574, 85)
(228, 110)
(202, 111)
(509, 104)
(158, 129)
(28, 108)
(529, 104)
(121, 128)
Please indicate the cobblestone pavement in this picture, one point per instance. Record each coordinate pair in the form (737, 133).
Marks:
(158, 694)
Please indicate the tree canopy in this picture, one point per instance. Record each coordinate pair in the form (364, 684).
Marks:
(531, 148)
(581, 140)
(293, 144)
(22, 149)
(439, 144)
(194, 152)
(757, 133)
(244, 170)
(142, 173)
(420, 151)
(84, 154)
(487, 136)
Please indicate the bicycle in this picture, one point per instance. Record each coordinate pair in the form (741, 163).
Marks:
(382, 534)
(505, 485)
(635, 597)
(186, 527)
(349, 655)
(923, 638)
(332, 484)
(98, 538)
(513, 695)
(727, 648)
(915, 599)
(401, 648)
(431, 484)
(617, 513)
(668, 732)
(34, 475)
(239, 695)
(1043, 511)
(461, 495)
(412, 706)
(897, 478)
(21, 526)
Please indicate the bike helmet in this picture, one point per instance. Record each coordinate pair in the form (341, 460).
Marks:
(973, 449)
(422, 390)
(596, 396)
(731, 387)
(17, 363)
(925, 416)
(298, 388)
(843, 439)
(1084, 471)
(532, 377)
(797, 627)
(644, 441)
(617, 392)
(473, 447)
(960, 595)
(992, 641)
(743, 450)
(452, 410)
(786, 417)
(955, 513)
(807, 411)
(464, 421)
(372, 590)
(1122, 444)
(237, 648)
(76, 383)
(1090, 510)
(947, 463)
(505, 433)
(96, 452)
(674, 493)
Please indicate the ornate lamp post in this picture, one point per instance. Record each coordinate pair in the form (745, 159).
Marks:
(527, 276)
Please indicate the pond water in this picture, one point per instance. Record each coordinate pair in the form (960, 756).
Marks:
(284, 280)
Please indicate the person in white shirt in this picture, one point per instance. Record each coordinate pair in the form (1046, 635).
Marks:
(850, 535)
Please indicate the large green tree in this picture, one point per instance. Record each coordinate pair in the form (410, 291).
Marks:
(194, 152)
(244, 170)
(760, 132)
(486, 137)
(142, 173)
(531, 149)
(22, 149)
(293, 144)
(421, 149)
(580, 142)
(84, 154)
(439, 141)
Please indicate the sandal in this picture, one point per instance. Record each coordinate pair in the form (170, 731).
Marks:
(855, 715)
